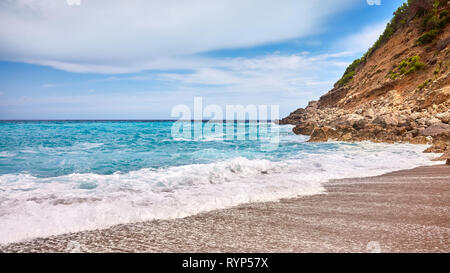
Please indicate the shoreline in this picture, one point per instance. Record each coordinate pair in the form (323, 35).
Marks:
(402, 211)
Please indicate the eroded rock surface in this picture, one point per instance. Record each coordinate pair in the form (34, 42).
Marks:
(375, 106)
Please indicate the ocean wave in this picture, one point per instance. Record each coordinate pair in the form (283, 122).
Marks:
(34, 207)
(76, 147)
(7, 154)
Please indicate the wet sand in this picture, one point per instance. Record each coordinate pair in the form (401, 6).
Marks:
(404, 211)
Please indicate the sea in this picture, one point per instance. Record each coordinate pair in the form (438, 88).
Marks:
(66, 176)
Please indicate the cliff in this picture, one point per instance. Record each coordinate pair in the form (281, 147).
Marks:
(399, 91)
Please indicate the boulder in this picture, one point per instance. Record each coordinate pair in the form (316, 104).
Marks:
(419, 140)
(379, 120)
(303, 129)
(441, 143)
(331, 133)
(435, 129)
(318, 135)
(360, 124)
(433, 121)
(437, 147)
(369, 113)
(444, 117)
(444, 157)
(347, 137)
(312, 105)
(386, 120)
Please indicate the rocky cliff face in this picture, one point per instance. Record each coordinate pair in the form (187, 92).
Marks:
(399, 92)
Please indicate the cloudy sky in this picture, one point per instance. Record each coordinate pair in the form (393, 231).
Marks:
(136, 59)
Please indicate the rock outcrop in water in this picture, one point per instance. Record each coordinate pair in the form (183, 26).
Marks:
(398, 92)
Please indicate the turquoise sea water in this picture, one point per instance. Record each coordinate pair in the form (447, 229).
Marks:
(64, 176)
(53, 148)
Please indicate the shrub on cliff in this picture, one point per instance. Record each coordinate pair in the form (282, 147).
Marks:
(433, 22)
(346, 78)
(443, 14)
(406, 66)
(399, 19)
(349, 72)
(420, 7)
(427, 37)
(424, 84)
(408, 11)
(444, 19)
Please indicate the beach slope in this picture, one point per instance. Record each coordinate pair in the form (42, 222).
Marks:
(404, 211)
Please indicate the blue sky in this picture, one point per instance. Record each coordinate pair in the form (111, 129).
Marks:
(137, 59)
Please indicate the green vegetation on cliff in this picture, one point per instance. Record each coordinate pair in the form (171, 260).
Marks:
(433, 22)
(406, 67)
(350, 72)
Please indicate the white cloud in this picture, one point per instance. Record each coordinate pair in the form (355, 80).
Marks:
(114, 36)
(361, 41)
(285, 80)
(271, 73)
(52, 85)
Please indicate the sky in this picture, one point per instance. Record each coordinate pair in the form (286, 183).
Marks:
(137, 59)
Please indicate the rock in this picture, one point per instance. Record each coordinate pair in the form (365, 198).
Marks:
(414, 132)
(318, 135)
(346, 137)
(303, 129)
(312, 105)
(386, 120)
(331, 133)
(421, 122)
(444, 117)
(441, 143)
(444, 136)
(415, 115)
(400, 131)
(391, 121)
(379, 113)
(435, 129)
(433, 121)
(379, 120)
(360, 124)
(406, 123)
(419, 140)
(444, 157)
(352, 119)
(369, 113)
(437, 147)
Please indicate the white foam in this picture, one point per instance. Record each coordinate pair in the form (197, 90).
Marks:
(77, 147)
(35, 207)
(7, 154)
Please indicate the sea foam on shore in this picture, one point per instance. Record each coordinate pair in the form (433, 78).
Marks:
(42, 206)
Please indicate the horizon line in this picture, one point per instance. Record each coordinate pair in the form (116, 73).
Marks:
(141, 120)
